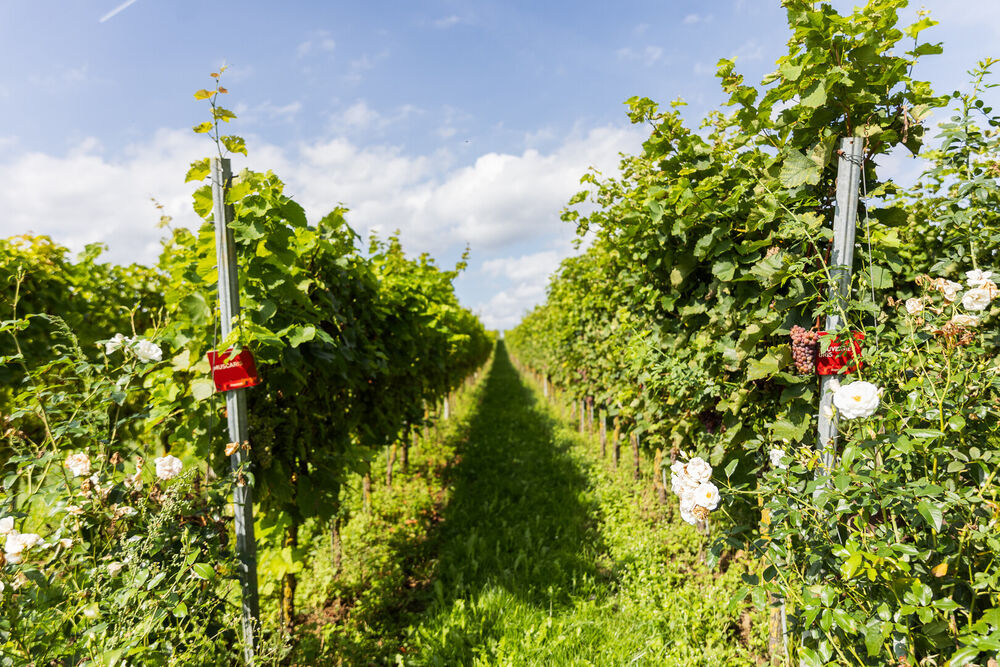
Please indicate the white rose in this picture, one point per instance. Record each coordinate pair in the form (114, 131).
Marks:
(134, 481)
(977, 299)
(17, 543)
(78, 464)
(677, 468)
(682, 484)
(114, 568)
(6, 525)
(168, 467)
(698, 469)
(965, 320)
(857, 399)
(914, 306)
(147, 350)
(776, 456)
(66, 543)
(115, 343)
(706, 495)
(950, 289)
(977, 278)
(687, 511)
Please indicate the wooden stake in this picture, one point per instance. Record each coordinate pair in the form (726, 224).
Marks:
(604, 434)
(635, 455)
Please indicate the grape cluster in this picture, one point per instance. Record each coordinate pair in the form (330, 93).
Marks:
(805, 349)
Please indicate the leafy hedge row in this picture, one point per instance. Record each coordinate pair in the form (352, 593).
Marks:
(352, 347)
(712, 244)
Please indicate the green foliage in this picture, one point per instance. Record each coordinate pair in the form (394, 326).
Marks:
(126, 567)
(711, 245)
(350, 349)
(92, 297)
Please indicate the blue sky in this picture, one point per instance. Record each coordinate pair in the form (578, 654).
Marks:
(453, 122)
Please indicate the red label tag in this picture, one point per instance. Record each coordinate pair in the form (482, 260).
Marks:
(837, 355)
(231, 371)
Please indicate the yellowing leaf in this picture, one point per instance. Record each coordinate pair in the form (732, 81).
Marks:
(940, 570)
(201, 128)
(202, 94)
(198, 171)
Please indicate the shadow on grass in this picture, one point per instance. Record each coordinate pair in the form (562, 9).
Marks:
(518, 536)
(432, 573)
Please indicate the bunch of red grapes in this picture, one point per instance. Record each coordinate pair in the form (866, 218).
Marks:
(805, 349)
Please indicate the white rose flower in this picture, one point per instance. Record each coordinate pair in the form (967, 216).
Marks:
(857, 399)
(977, 299)
(147, 350)
(17, 543)
(6, 525)
(677, 468)
(66, 543)
(950, 290)
(78, 464)
(134, 481)
(776, 456)
(977, 278)
(914, 306)
(706, 495)
(965, 320)
(168, 467)
(687, 511)
(115, 343)
(682, 484)
(114, 568)
(698, 469)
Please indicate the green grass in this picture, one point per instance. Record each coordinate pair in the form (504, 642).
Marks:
(527, 549)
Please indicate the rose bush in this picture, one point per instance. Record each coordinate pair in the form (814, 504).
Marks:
(102, 563)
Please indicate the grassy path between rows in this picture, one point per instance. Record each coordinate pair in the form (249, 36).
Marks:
(510, 542)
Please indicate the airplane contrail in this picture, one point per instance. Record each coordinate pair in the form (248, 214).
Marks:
(122, 7)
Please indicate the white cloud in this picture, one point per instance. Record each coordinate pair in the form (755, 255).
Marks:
(703, 69)
(748, 52)
(691, 19)
(85, 197)
(498, 202)
(649, 55)
(365, 63)
(268, 110)
(507, 307)
(319, 40)
(454, 120)
(361, 117)
(530, 268)
(56, 82)
(120, 8)
(447, 22)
